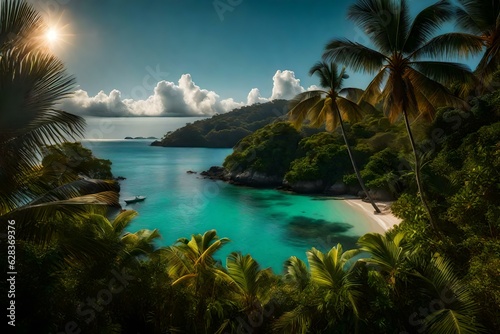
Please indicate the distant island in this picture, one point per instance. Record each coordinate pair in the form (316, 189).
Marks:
(225, 130)
(141, 138)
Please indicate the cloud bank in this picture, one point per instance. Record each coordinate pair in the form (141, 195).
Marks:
(181, 99)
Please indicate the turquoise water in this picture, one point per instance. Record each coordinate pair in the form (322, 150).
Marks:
(271, 225)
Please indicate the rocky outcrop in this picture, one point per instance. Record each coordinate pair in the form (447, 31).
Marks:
(256, 179)
(215, 173)
(156, 143)
(308, 187)
(381, 195)
(340, 188)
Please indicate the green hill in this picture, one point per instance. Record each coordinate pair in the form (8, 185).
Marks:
(225, 130)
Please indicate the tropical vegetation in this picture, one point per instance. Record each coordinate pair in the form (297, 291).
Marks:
(329, 108)
(81, 270)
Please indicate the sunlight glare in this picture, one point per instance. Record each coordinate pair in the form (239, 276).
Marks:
(52, 35)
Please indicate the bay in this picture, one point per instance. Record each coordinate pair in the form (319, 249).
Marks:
(270, 225)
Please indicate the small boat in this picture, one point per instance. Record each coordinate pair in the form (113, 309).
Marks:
(134, 199)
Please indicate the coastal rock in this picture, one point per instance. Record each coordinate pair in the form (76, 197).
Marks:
(354, 190)
(308, 187)
(338, 188)
(256, 179)
(381, 195)
(215, 173)
(156, 143)
(191, 172)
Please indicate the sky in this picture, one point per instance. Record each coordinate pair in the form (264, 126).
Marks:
(193, 57)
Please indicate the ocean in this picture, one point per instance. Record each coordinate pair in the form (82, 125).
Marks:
(270, 225)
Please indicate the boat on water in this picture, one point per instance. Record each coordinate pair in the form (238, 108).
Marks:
(135, 199)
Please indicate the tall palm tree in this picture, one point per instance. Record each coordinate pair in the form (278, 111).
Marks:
(329, 108)
(408, 85)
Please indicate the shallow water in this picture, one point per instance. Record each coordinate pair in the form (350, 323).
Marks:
(271, 225)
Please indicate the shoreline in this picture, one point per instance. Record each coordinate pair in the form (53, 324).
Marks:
(381, 222)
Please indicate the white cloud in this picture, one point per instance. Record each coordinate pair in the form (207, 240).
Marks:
(254, 97)
(175, 100)
(285, 85)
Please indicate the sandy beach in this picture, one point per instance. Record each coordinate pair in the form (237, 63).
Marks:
(382, 221)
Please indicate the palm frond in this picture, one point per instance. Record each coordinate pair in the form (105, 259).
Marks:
(373, 93)
(489, 64)
(352, 94)
(386, 22)
(444, 72)
(426, 23)
(20, 24)
(327, 73)
(244, 271)
(386, 253)
(450, 45)
(296, 271)
(301, 104)
(296, 321)
(477, 16)
(121, 221)
(349, 110)
(434, 92)
(79, 188)
(354, 55)
(458, 308)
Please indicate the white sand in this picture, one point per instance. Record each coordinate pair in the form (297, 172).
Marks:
(381, 221)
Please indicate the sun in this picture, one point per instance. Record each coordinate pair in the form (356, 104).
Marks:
(52, 35)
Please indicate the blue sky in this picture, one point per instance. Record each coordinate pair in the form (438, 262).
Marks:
(214, 50)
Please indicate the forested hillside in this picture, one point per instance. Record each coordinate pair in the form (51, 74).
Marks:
(225, 130)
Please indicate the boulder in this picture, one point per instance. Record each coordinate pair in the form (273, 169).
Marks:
(215, 173)
(308, 187)
(381, 195)
(338, 188)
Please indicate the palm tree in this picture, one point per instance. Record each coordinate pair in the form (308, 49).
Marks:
(32, 82)
(335, 277)
(414, 278)
(388, 254)
(250, 289)
(329, 108)
(409, 86)
(191, 264)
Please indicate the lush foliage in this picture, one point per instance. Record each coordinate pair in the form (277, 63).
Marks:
(268, 150)
(72, 160)
(83, 272)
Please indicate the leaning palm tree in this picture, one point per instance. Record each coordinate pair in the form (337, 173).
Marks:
(329, 108)
(408, 85)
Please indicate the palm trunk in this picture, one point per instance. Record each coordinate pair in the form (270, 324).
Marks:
(423, 198)
(358, 175)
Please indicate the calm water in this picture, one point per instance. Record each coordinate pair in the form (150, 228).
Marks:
(269, 224)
